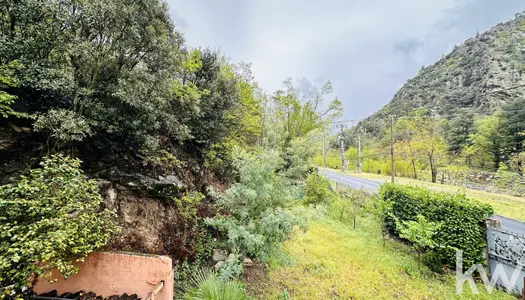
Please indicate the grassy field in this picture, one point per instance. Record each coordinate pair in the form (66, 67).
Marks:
(505, 205)
(332, 261)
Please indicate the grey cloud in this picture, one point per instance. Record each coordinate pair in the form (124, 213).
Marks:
(471, 16)
(304, 85)
(408, 46)
(367, 48)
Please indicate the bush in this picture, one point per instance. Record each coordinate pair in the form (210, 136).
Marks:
(317, 189)
(49, 220)
(461, 219)
(420, 233)
(257, 206)
(194, 241)
(231, 268)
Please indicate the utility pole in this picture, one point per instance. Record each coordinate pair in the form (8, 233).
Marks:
(393, 171)
(324, 150)
(342, 149)
(359, 163)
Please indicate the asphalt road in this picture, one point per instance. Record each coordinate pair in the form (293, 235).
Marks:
(507, 224)
(353, 182)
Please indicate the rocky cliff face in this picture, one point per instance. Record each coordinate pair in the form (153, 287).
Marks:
(482, 74)
(150, 224)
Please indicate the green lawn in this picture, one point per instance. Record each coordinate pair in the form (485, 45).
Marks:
(332, 261)
(505, 205)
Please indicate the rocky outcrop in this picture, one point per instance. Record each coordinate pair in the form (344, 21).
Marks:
(150, 224)
(163, 184)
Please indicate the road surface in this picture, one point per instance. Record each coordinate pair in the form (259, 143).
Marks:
(507, 224)
(353, 182)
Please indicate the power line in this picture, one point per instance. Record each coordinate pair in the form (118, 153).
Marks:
(455, 114)
(347, 121)
(392, 170)
(341, 137)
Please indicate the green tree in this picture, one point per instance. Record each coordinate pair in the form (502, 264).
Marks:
(513, 125)
(489, 138)
(458, 130)
(114, 80)
(519, 159)
(7, 81)
(420, 138)
(242, 122)
(96, 62)
(298, 116)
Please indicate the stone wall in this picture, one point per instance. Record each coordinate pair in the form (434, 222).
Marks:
(507, 250)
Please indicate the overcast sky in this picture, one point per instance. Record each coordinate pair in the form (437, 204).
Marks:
(366, 48)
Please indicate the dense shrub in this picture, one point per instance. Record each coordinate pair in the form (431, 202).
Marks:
(258, 217)
(48, 220)
(461, 219)
(317, 189)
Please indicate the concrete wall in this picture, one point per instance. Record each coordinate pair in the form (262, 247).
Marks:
(508, 250)
(108, 274)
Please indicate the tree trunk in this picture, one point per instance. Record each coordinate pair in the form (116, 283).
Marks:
(354, 221)
(413, 160)
(433, 169)
(414, 169)
(497, 160)
(519, 149)
(434, 175)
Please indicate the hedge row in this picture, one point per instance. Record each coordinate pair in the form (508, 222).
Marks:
(462, 220)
